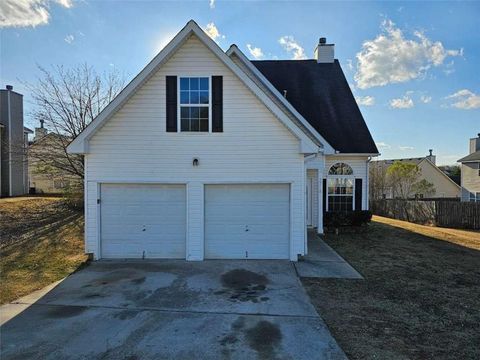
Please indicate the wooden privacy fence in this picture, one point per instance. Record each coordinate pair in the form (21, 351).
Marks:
(454, 214)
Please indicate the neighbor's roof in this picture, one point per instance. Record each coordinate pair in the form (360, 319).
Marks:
(321, 94)
(27, 130)
(472, 157)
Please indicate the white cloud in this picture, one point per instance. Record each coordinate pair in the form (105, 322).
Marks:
(256, 52)
(350, 64)
(465, 99)
(392, 58)
(290, 45)
(212, 31)
(383, 145)
(425, 99)
(404, 102)
(24, 13)
(365, 100)
(69, 39)
(211, 3)
(406, 148)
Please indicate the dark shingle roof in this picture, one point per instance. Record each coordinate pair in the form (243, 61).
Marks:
(472, 157)
(321, 94)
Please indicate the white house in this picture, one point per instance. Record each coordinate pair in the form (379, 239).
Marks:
(471, 172)
(207, 155)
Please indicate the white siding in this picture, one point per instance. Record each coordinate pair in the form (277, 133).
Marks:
(360, 170)
(255, 147)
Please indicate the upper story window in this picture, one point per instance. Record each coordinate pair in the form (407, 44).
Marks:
(194, 104)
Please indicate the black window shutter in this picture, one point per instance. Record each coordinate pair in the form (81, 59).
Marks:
(171, 92)
(217, 104)
(324, 197)
(358, 194)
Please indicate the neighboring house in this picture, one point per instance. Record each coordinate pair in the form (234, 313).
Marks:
(47, 149)
(13, 144)
(207, 155)
(470, 180)
(444, 186)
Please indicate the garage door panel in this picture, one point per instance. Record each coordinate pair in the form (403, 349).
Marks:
(143, 220)
(247, 220)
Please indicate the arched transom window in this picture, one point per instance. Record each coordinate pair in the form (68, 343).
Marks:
(340, 169)
(340, 187)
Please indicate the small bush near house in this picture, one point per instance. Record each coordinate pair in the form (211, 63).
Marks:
(73, 196)
(349, 218)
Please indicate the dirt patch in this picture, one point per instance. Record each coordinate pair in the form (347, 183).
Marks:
(419, 298)
(264, 337)
(65, 311)
(244, 285)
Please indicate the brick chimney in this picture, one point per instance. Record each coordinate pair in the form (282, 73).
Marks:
(475, 144)
(324, 53)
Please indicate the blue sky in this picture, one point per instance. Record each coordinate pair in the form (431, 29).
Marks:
(413, 66)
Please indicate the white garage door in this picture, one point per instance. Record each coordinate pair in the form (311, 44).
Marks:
(247, 221)
(143, 221)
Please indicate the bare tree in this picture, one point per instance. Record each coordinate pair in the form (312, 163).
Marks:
(378, 180)
(66, 101)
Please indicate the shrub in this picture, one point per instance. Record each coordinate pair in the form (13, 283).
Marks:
(349, 218)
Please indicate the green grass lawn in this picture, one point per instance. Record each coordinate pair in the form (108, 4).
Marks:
(41, 242)
(420, 298)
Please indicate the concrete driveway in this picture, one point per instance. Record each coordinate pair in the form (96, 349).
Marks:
(173, 310)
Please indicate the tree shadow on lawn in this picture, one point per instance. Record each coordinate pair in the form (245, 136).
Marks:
(420, 297)
(42, 256)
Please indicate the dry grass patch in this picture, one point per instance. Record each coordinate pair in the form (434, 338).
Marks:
(420, 298)
(41, 242)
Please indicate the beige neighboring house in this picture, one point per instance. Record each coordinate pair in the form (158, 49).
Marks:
(470, 180)
(42, 179)
(444, 186)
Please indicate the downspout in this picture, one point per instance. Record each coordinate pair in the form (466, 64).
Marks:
(367, 177)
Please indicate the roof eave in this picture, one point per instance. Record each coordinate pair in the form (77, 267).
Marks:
(234, 50)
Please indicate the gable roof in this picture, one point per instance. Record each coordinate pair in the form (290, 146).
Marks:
(473, 157)
(80, 143)
(321, 94)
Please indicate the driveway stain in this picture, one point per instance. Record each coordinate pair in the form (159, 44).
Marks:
(65, 311)
(244, 285)
(126, 314)
(265, 337)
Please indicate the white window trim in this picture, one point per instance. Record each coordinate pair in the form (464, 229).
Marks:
(350, 177)
(179, 105)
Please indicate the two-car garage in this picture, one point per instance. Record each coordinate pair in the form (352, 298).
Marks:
(150, 221)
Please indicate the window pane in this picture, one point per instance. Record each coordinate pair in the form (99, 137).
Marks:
(185, 125)
(194, 124)
(203, 124)
(184, 98)
(184, 112)
(194, 97)
(194, 112)
(203, 97)
(204, 112)
(203, 83)
(194, 83)
(184, 83)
